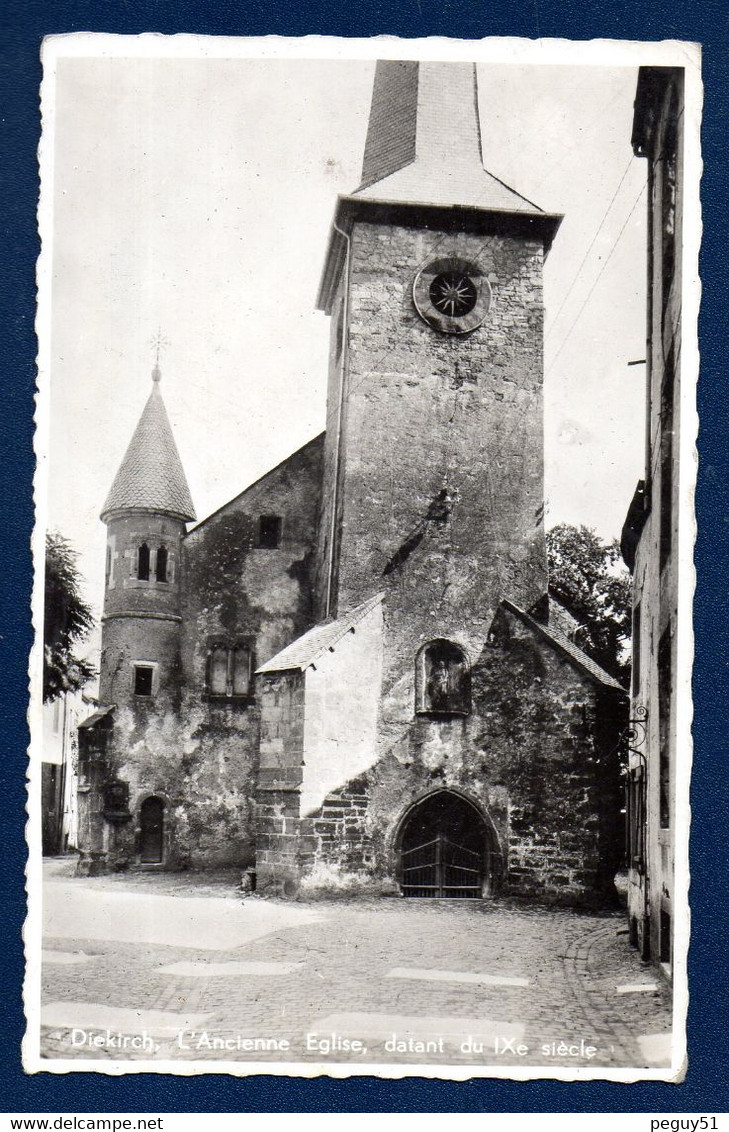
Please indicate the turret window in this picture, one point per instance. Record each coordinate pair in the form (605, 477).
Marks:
(229, 671)
(143, 557)
(161, 564)
(143, 679)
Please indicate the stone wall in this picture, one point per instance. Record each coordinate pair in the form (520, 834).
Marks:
(279, 781)
(424, 412)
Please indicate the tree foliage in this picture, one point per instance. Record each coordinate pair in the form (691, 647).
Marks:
(588, 577)
(67, 620)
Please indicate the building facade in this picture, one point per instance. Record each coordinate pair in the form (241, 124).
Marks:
(350, 671)
(59, 771)
(651, 531)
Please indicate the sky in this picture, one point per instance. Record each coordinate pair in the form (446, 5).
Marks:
(192, 199)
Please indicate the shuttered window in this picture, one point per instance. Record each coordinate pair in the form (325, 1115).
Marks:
(229, 671)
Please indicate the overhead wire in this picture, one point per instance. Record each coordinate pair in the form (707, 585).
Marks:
(551, 363)
(589, 248)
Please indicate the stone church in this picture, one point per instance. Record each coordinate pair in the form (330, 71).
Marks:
(353, 672)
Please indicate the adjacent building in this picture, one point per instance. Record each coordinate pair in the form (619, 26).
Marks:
(651, 531)
(353, 670)
(59, 771)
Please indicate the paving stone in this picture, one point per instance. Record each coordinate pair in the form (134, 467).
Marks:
(332, 961)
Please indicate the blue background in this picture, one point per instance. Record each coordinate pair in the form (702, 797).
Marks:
(706, 1087)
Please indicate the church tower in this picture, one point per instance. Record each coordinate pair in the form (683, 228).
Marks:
(433, 485)
(146, 513)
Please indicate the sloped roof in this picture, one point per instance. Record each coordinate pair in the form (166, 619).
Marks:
(306, 649)
(96, 717)
(573, 653)
(151, 477)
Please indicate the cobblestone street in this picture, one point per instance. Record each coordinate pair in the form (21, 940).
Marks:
(157, 966)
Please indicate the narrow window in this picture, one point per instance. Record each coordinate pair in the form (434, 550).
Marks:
(339, 334)
(108, 563)
(218, 672)
(442, 679)
(664, 728)
(269, 532)
(143, 674)
(161, 566)
(143, 563)
(665, 937)
(636, 649)
(636, 820)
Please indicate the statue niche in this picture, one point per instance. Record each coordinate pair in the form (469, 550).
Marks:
(442, 680)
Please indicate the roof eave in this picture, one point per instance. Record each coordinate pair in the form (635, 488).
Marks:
(110, 513)
(604, 679)
(457, 217)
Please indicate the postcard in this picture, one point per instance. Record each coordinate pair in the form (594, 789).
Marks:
(365, 435)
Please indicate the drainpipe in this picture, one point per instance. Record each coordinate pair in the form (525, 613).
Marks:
(340, 409)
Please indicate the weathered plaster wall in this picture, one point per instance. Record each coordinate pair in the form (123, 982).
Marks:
(233, 588)
(342, 698)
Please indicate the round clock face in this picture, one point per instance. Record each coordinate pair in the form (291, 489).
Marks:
(452, 295)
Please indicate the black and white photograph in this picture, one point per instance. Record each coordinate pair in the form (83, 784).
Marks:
(365, 434)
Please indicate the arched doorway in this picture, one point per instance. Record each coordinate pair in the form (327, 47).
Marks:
(444, 849)
(151, 831)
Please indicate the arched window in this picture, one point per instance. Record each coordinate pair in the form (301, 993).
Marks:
(143, 563)
(161, 564)
(442, 680)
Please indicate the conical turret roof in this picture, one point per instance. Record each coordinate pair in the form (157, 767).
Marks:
(151, 477)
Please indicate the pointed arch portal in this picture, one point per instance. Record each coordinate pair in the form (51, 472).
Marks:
(444, 849)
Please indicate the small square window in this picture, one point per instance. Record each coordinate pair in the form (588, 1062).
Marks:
(143, 674)
(269, 532)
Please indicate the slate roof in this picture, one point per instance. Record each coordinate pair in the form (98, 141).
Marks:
(576, 655)
(306, 649)
(151, 477)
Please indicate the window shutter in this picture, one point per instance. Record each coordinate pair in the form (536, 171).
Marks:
(218, 671)
(241, 671)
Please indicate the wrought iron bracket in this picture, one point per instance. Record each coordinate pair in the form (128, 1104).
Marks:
(634, 735)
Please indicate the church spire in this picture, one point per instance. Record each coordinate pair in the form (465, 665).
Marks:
(424, 140)
(151, 476)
